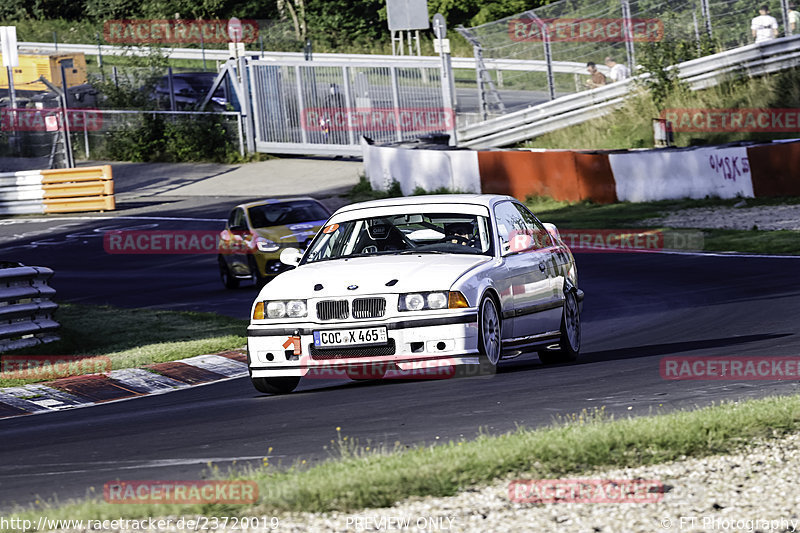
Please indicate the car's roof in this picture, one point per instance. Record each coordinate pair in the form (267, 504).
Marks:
(275, 201)
(487, 200)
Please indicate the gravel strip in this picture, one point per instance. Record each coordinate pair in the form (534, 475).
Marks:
(764, 217)
(755, 490)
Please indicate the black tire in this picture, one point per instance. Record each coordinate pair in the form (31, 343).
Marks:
(259, 280)
(490, 336)
(228, 279)
(570, 341)
(280, 385)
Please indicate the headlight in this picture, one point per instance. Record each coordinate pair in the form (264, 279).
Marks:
(414, 302)
(437, 300)
(266, 245)
(296, 308)
(418, 301)
(276, 309)
(286, 309)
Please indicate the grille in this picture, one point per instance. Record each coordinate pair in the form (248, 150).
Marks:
(369, 307)
(332, 310)
(341, 353)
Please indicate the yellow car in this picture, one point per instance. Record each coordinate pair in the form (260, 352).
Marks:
(251, 243)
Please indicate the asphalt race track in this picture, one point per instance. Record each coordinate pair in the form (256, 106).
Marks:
(639, 308)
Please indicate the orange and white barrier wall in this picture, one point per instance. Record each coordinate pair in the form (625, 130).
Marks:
(601, 176)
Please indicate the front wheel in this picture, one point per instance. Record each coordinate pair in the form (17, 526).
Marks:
(490, 340)
(280, 385)
(228, 279)
(570, 341)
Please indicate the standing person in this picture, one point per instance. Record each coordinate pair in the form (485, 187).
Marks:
(597, 78)
(764, 26)
(794, 18)
(618, 71)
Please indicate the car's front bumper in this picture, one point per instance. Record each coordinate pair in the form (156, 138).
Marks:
(413, 342)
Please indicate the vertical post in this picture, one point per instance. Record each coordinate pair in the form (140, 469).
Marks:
(85, 136)
(706, 17)
(301, 106)
(396, 101)
(446, 76)
(261, 44)
(247, 105)
(548, 57)
(787, 30)
(69, 161)
(99, 51)
(11, 90)
(696, 32)
(419, 49)
(348, 103)
(203, 50)
(171, 88)
(241, 133)
(629, 49)
(114, 76)
(55, 40)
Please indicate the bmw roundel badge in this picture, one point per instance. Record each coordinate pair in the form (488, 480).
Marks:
(352, 287)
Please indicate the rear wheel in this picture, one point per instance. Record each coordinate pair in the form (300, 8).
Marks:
(570, 341)
(280, 385)
(490, 340)
(228, 279)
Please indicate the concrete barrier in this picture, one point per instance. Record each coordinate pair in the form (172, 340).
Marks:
(649, 175)
(455, 170)
(602, 176)
(57, 191)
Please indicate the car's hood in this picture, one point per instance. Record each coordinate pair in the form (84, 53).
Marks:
(292, 233)
(370, 275)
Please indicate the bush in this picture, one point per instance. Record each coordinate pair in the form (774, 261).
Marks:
(195, 138)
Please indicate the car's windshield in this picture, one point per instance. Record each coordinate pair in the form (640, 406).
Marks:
(284, 213)
(445, 233)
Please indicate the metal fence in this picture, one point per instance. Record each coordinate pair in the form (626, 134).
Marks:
(325, 108)
(591, 30)
(26, 309)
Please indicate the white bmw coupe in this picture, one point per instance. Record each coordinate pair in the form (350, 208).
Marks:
(426, 280)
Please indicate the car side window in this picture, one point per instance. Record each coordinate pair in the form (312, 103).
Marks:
(540, 236)
(236, 220)
(510, 225)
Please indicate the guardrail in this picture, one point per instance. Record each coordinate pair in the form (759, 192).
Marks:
(754, 59)
(26, 309)
(569, 67)
(64, 190)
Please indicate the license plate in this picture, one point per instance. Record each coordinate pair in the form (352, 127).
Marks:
(350, 337)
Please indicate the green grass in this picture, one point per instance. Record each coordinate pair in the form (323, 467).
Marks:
(588, 215)
(631, 125)
(135, 337)
(360, 477)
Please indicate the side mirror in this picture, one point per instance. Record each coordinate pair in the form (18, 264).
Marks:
(291, 256)
(552, 230)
